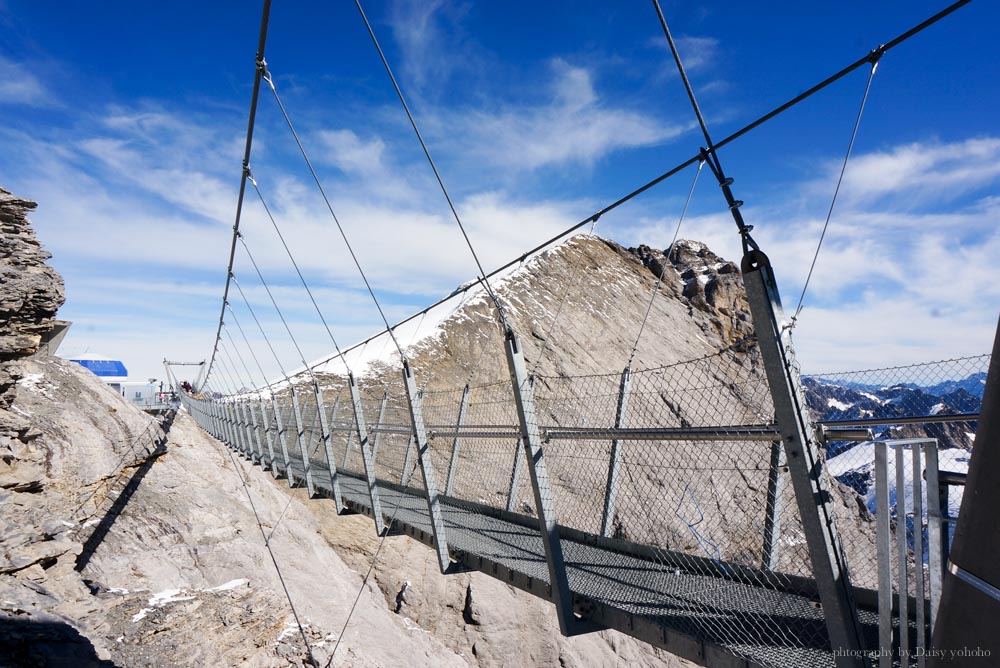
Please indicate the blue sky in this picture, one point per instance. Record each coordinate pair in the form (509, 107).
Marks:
(126, 122)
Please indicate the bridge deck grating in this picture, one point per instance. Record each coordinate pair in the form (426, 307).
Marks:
(759, 625)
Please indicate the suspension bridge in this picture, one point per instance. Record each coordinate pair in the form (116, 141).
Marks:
(690, 505)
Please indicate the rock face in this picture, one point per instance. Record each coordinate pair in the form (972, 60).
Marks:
(30, 293)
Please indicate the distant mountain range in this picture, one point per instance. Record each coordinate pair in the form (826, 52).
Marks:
(831, 400)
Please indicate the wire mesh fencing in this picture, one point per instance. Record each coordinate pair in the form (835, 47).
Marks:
(669, 485)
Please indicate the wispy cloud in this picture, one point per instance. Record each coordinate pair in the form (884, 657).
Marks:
(572, 126)
(20, 86)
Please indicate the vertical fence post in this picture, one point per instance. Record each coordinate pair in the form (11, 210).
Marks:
(381, 416)
(614, 460)
(937, 510)
(225, 423)
(301, 436)
(776, 481)
(235, 442)
(515, 475)
(217, 419)
(366, 455)
(256, 433)
(249, 429)
(918, 553)
(883, 551)
(331, 461)
(268, 439)
(449, 485)
(283, 441)
(805, 463)
(241, 417)
(415, 402)
(548, 525)
(347, 448)
(902, 570)
(404, 474)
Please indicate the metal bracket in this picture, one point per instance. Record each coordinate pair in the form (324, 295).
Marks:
(804, 461)
(331, 461)
(366, 455)
(300, 436)
(449, 484)
(415, 401)
(283, 441)
(548, 524)
(614, 461)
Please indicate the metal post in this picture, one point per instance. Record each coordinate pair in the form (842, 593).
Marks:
(883, 551)
(515, 475)
(614, 460)
(227, 425)
(805, 463)
(404, 474)
(217, 418)
(331, 461)
(347, 448)
(241, 429)
(213, 428)
(902, 571)
(366, 455)
(937, 510)
(251, 451)
(256, 434)
(548, 525)
(234, 428)
(918, 553)
(378, 434)
(268, 439)
(415, 401)
(300, 435)
(776, 482)
(283, 441)
(449, 485)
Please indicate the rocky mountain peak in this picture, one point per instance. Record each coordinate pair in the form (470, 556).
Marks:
(708, 282)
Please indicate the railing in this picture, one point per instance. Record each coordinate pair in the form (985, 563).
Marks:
(681, 467)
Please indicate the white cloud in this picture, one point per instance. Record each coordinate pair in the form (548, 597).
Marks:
(919, 173)
(21, 86)
(573, 126)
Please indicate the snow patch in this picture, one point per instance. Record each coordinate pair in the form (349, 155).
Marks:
(232, 584)
(141, 614)
(839, 405)
(937, 408)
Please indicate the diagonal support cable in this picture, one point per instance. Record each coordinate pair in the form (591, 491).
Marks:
(836, 191)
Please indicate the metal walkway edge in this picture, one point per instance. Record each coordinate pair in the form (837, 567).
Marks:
(650, 604)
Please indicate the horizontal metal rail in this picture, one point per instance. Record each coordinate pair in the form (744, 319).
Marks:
(735, 433)
(913, 419)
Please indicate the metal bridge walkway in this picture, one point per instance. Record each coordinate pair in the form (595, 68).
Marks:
(770, 627)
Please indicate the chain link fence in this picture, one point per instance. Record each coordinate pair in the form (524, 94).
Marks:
(669, 484)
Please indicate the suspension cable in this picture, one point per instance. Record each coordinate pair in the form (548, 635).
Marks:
(305, 156)
(666, 261)
(281, 316)
(254, 97)
(246, 340)
(709, 152)
(836, 191)
(483, 278)
(562, 302)
(295, 264)
(700, 156)
(274, 354)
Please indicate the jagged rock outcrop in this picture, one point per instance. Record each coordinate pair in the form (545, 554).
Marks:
(708, 282)
(31, 291)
